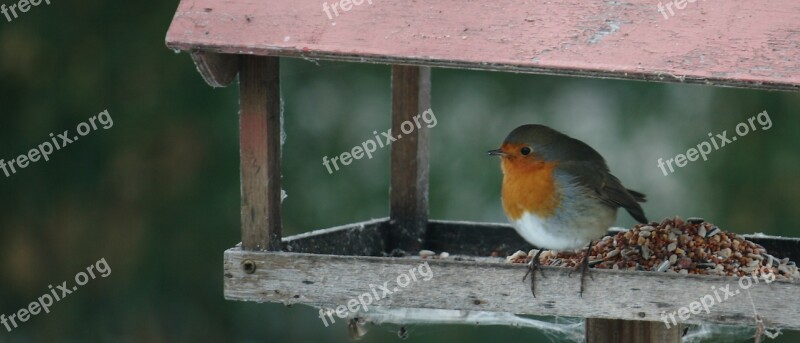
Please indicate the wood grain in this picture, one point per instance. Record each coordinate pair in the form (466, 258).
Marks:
(408, 203)
(631, 331)
(741, 43)
(369, 238)
(260, 153)
(491, 284)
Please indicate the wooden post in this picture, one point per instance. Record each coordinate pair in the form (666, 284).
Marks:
(260, 150)
(631, 331)
(408, 214)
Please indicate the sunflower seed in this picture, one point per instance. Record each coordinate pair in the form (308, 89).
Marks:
(772, 260)
(645, 252)
(695, 220)
(672, 246)
(428, 253)
(755, 256)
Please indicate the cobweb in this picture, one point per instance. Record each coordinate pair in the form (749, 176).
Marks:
(560, 329)
(556, 329)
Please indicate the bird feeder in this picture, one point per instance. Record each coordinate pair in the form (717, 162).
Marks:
(717, 43)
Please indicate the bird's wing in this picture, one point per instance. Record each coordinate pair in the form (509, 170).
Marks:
(594, 175)
(590, 170)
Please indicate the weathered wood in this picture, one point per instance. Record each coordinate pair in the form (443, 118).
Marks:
(260, 150)
(778, 246)
(461, 238)
(492, 284)
(474, 239)
(408, 208)
(218, 70)
(739, 43)
(631, 331)
(367, 238)
(571, 332)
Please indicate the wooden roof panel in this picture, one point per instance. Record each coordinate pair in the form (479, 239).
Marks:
(753, 43)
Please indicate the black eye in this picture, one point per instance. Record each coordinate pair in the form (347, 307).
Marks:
(525, 151)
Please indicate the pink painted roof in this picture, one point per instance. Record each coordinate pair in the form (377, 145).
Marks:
(743, 43)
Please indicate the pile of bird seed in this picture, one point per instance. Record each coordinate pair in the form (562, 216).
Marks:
(692, 246)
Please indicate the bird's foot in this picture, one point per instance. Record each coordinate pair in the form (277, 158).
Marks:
(533, 266)
(584, 267)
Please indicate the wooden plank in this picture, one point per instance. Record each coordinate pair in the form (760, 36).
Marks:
(367, 238)
(778, 246)
(631, 331)
(741, 43)
(474, 239)
(218, 70)
(491, 284)
(408, 208)
(461, 238)
(260, 144)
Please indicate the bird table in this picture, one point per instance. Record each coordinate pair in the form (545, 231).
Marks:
(747, 44)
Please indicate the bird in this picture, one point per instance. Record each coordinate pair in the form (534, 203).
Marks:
(559, 194)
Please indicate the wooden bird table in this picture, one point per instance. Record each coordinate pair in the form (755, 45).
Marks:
(747, 44)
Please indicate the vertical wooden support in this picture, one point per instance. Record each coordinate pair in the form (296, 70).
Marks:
(260, 150)
(630, 331)
(408, 213)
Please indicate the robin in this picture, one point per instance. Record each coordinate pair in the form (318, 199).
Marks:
(558, 192)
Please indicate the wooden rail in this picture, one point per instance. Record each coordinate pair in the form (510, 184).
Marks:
(483, 283)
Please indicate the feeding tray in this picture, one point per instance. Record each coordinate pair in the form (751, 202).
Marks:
(329, 267)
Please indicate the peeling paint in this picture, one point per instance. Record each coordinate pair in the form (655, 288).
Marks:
(611, 27)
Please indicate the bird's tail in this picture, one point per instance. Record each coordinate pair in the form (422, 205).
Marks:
(636, 211)
(639, 197)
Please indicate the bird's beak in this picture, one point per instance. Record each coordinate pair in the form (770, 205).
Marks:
(496, 152)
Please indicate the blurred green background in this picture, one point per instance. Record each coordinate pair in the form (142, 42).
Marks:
(157, 195)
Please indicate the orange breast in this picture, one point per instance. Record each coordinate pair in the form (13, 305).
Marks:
(529, 185)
